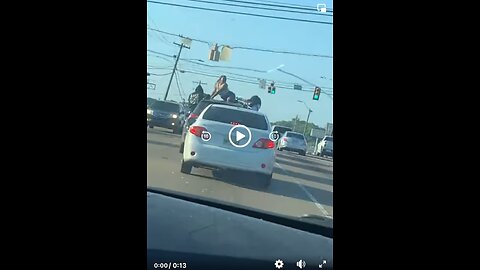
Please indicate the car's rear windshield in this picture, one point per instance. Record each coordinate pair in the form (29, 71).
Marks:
(295, 135)
(281, 130)
(229, 116)
(165, 106)
(329, 139)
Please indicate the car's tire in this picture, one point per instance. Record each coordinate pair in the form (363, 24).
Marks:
(280, 149)
(266, 180)
(302, 153)
(182, 146)
(150, 126)
(177, 130)
(186, 167)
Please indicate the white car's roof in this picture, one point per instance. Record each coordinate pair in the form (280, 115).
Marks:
(237, 108)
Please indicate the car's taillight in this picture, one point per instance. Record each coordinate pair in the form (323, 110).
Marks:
(264, 144)
(285, 139)
(197, 130)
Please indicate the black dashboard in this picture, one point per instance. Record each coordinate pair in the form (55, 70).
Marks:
(184, 234)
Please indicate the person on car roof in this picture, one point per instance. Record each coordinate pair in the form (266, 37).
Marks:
(254, 103)
(221, 88)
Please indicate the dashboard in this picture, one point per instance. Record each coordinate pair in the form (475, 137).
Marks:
(183, 234)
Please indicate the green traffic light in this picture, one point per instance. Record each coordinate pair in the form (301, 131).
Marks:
(273, 91)
(315, 97)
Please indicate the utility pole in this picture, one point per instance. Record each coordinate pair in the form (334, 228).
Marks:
(295, 124)
(305, 128)
(175, 67)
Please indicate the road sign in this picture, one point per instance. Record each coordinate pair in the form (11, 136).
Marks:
(297, 87)
(317, 133)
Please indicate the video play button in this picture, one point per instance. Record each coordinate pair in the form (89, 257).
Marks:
(237, 138)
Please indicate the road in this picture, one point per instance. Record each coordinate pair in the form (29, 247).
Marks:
(300, 185)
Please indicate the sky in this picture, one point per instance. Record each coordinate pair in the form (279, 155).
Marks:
(246, 31)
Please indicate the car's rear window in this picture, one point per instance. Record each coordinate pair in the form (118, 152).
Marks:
(329, 139)
(166, 106)
(230, 116)
(295, 135)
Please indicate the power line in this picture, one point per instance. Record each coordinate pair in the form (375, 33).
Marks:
(246, 48)
(286, 5)
(155, 74)
(178, 87)
(241, 13)
(249, 82)
(180, 81)
(262, 8)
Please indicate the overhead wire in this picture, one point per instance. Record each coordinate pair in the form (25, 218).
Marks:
(242, 13)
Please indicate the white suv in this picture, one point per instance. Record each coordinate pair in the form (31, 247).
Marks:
(217, 150)
(325, 147)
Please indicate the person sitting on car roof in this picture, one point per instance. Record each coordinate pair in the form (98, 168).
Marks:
(221, 88)
(254, 103)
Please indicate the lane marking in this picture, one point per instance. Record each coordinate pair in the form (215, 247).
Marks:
(315, 202)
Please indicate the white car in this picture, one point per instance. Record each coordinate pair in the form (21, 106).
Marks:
(219, 139)
(293, 141)
(325, 147)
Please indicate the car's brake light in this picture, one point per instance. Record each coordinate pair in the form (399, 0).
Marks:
(264, 144)
(285, 139)
(197, 130)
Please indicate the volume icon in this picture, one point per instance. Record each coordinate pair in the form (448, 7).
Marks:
(301, 264)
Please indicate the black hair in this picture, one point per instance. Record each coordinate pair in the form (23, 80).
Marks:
(255, 100)
(199, 89)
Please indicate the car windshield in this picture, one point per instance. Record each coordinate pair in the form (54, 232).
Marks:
(329, 139)
(165, 106)
(229, 116)
(273, 57)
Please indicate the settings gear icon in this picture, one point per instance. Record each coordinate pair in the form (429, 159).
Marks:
(279, 264)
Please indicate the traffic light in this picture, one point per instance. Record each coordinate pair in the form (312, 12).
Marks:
(271, 88)
(316, 93)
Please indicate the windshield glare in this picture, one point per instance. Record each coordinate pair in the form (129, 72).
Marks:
(277, 75)
(165, 106)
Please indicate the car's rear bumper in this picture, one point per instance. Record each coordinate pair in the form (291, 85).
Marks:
(224, 158)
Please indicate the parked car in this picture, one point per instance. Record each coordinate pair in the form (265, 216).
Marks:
(193, 115)
(255, 156)
(167, 114)
(325, 147)
(293, 141)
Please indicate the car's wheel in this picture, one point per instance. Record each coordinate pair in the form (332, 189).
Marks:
(280, 149)
(182, 145)
(177, 130)
(150, 126)
(302, 153)
(266, 180)
(186, 167)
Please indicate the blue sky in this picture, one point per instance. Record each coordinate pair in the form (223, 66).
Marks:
(247, 31)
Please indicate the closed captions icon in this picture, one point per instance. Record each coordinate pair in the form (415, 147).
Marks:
(322, 8)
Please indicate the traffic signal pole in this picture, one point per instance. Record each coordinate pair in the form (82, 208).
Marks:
(175, 67)
(308, 117)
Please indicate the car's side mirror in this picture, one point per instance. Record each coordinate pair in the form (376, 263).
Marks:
(187, 114)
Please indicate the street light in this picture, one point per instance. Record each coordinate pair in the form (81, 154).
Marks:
(308, 117)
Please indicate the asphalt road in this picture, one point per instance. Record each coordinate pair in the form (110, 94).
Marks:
(300, 185)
